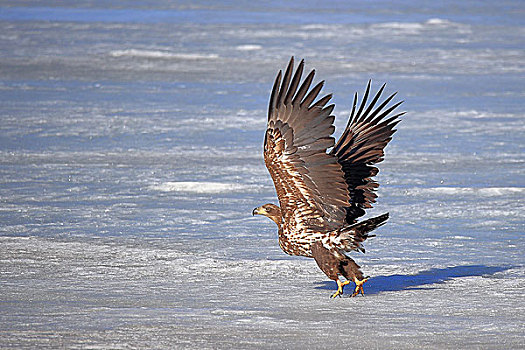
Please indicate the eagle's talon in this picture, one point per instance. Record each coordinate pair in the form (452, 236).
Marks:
(359, 287)
(340, 286)
(338, 293)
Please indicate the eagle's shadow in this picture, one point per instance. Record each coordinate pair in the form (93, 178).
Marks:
(392, 283)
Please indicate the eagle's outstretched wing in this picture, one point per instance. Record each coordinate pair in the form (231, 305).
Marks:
(361, 145)
(310, 183)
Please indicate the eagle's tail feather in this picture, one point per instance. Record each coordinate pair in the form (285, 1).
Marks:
(369, 225)
(352, 237)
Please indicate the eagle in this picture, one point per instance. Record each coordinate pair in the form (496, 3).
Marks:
(324, 186)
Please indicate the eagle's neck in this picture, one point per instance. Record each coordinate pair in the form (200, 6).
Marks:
(277, 219)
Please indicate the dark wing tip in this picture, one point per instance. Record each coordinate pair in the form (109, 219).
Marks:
(273, 96)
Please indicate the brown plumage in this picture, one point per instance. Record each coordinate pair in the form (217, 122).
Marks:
(322, 193)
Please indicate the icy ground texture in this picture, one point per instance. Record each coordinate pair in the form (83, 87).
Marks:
(130, 162)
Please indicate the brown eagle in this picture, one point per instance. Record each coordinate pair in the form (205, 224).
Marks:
(322, 193)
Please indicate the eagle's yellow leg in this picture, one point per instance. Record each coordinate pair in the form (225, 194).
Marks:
(359, 286)
(340, 286)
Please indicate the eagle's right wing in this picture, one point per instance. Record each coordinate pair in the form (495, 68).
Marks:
(309, 182)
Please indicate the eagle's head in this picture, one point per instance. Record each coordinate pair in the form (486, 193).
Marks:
(269, 210)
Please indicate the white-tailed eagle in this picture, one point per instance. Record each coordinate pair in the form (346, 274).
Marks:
(323, 186)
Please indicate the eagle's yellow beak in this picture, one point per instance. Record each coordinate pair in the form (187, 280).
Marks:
(257, 211)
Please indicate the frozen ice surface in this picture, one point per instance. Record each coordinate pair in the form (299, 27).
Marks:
(131, 159)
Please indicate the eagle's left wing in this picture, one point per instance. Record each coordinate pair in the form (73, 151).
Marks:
(309, 182)
(361, 146)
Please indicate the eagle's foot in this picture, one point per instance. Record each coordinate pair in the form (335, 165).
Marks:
(340, 286)
(359, 286)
